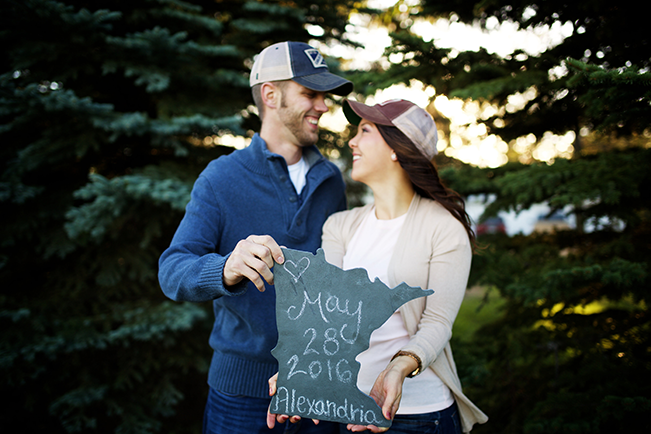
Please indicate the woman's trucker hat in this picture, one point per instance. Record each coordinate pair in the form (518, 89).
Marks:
(299, 62)
(413, 121)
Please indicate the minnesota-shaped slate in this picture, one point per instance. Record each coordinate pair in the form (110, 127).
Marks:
(325, 317)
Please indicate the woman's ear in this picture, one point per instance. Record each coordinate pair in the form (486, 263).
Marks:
(270, 94)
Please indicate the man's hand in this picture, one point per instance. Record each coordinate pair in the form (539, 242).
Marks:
(281, 418)
(253, 259)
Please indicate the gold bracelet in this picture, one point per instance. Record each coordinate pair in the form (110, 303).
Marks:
(413, 356)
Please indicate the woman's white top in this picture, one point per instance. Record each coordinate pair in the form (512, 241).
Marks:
(371, 248)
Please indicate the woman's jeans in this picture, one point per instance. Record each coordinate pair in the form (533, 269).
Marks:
(237, 414)
(438, 422)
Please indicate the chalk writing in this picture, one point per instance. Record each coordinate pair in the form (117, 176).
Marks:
(291, 402)
(340, 369)
(331, 305)
(297, 270)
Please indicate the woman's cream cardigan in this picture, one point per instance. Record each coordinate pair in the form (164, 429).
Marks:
(433, 252)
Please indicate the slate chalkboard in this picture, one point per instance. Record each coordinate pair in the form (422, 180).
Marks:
(325, 317)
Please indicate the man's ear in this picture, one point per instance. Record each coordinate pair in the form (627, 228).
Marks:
(270, 94)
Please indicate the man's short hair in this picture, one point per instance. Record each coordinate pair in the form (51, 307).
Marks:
(256, 91)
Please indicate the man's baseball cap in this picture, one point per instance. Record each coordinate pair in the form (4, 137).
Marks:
(413, 121)
(299, 62)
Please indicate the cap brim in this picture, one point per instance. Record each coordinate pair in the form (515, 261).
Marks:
(326, 82)
(356, 111)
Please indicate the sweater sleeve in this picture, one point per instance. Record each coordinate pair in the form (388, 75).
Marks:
(190, 270)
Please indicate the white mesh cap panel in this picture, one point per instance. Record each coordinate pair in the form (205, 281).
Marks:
(419, 126)
(277, 65)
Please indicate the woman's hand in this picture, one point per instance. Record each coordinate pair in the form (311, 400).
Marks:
(387, 390)
(272, 418)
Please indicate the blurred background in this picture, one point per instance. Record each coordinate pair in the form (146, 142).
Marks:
(110, 109)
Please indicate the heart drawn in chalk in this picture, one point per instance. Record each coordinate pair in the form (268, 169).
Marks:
(297, 270)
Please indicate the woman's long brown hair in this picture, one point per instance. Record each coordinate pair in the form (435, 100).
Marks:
(425, 177)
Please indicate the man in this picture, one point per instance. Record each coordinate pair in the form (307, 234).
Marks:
(276, 192)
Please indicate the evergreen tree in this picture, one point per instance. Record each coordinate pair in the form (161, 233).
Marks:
(610, 36)
(108, 112)
(571, 351)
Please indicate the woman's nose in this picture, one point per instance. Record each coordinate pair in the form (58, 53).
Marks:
(352, 143)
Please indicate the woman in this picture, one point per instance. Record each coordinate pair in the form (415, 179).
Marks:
(417, 232)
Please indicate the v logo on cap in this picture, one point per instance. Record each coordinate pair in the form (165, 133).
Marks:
(316, 58)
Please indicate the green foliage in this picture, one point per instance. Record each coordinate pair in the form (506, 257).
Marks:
(572, 337)
(103, 110)
(613, 98)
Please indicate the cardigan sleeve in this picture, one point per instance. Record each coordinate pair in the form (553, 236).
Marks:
(332, 241)
(447, 265)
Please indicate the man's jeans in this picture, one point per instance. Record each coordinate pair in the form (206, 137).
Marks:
(237, 414)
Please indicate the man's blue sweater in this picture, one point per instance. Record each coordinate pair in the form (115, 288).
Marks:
(248, 192)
